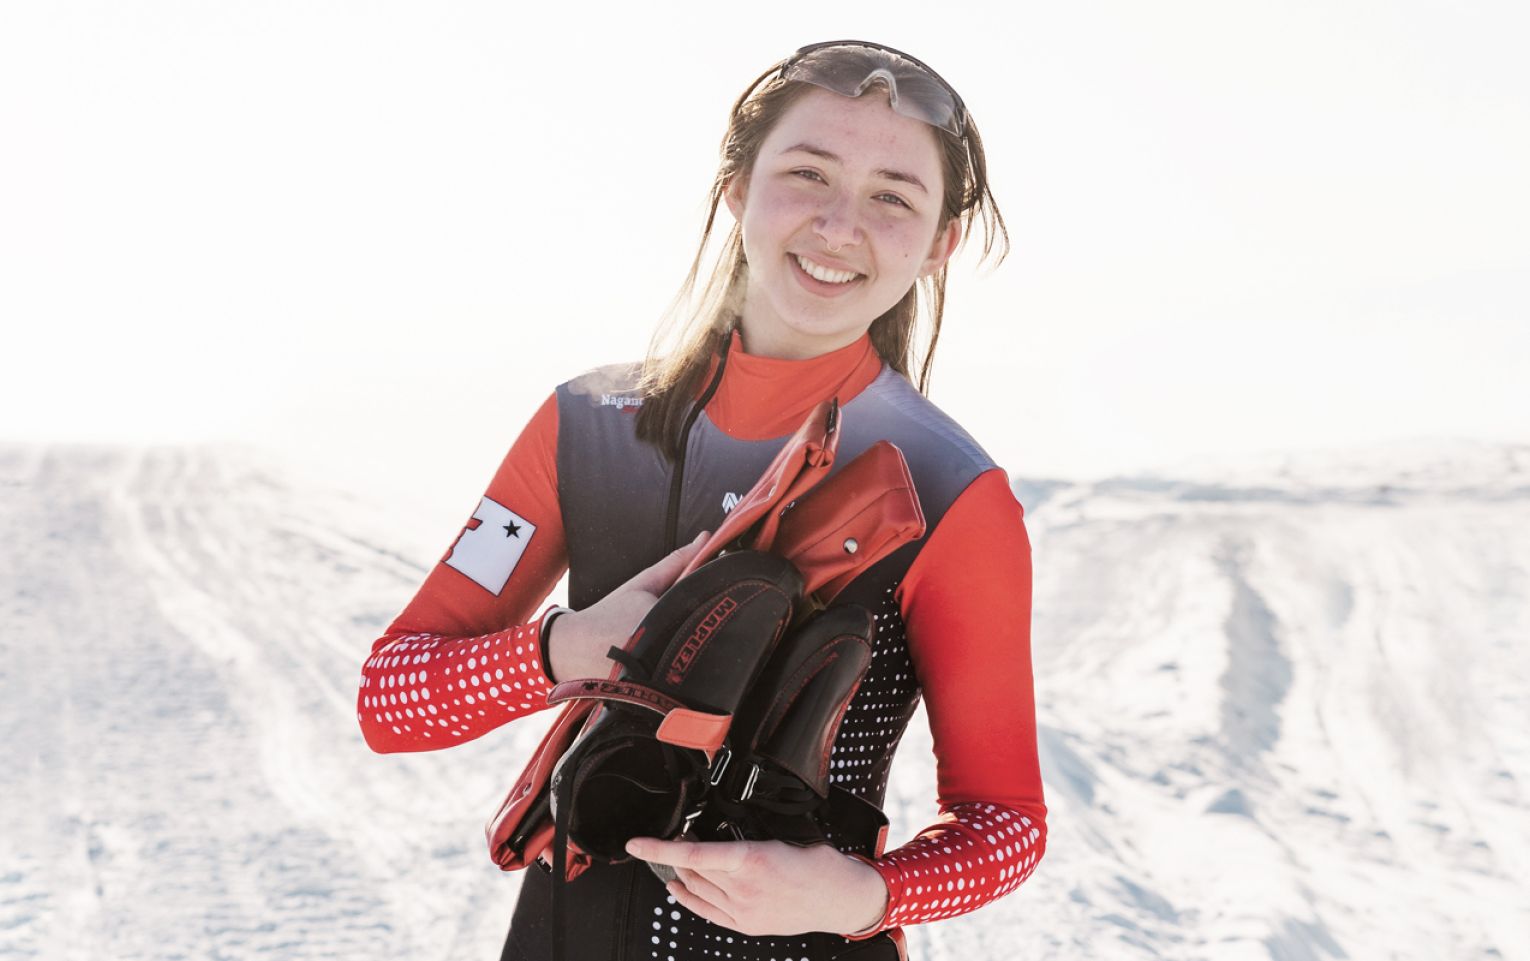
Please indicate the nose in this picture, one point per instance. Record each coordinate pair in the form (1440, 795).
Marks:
(837, 223)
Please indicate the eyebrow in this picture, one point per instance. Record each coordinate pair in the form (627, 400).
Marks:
(817, 151)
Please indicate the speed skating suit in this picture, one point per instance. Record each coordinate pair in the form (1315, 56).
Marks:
(578, 492)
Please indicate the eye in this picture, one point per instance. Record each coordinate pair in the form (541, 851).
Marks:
(895, 199)
(808, 174)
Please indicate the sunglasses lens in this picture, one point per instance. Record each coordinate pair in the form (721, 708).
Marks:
(850, 69)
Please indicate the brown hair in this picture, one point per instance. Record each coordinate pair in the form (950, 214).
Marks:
(700, 328)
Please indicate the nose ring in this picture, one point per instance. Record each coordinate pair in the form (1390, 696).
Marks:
(834, 250)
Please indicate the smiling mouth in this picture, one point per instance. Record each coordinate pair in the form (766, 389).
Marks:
(825, 274)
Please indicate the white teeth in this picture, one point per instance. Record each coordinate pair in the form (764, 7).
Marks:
(825, 274)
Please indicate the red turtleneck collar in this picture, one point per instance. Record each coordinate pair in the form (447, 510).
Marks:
(764, 397)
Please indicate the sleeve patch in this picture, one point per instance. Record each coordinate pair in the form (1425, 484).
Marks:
(488, 551)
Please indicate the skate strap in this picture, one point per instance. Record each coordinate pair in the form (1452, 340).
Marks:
(563, 791)
(607, 689)
(764, 787)
(682, 726)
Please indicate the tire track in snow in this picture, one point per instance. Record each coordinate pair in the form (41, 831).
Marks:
(1258, 673)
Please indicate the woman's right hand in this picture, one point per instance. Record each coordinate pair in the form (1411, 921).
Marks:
(578, 640)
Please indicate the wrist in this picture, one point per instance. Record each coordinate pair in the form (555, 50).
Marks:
(878, 895)
(544, 639)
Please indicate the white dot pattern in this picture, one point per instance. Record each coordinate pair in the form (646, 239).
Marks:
(874, 722)
(983, 853)
(421, 692)
(979, 851)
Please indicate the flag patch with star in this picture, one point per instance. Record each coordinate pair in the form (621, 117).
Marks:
(488, 551)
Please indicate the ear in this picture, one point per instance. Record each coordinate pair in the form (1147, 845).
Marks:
(944, 246)
(734, 194)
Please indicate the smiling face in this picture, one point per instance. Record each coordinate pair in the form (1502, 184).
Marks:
(841, 214)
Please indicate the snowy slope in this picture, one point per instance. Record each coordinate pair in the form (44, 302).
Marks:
(1286, 716)
(1283, 712)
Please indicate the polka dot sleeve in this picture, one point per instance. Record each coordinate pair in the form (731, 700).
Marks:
(967, 604)
(464, 656)
(425, 691)
(982, 853)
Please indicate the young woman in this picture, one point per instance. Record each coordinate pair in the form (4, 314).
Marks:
(853, 172)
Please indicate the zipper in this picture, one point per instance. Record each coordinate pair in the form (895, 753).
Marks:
(624, 915)
(672, 517)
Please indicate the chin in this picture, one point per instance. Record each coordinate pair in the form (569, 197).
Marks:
(823, 341)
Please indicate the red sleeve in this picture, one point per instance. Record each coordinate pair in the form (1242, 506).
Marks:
(461, 659)
(966, 601)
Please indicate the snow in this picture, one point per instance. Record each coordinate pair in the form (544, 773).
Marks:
(1283, 714)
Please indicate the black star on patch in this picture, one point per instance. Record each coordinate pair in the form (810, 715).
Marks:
(512, 529)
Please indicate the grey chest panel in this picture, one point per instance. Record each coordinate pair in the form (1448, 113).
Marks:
(615, 490)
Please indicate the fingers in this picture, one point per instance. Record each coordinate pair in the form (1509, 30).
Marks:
(658, 578)
(582, 638)
(700, 906)
(695, 855)
(699, 885)
(692, 889)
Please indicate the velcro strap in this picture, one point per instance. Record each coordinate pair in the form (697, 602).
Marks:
(696, 729)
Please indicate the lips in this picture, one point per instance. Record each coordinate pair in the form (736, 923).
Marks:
(814, 281)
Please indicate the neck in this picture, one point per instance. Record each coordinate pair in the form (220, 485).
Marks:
(759, 342)
(765, 335)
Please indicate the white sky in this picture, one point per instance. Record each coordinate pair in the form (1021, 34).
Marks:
(379, 233)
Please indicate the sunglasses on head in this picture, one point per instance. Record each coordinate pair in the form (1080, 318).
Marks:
(849, 67)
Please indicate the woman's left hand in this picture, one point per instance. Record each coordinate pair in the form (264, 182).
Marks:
(770, 887)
